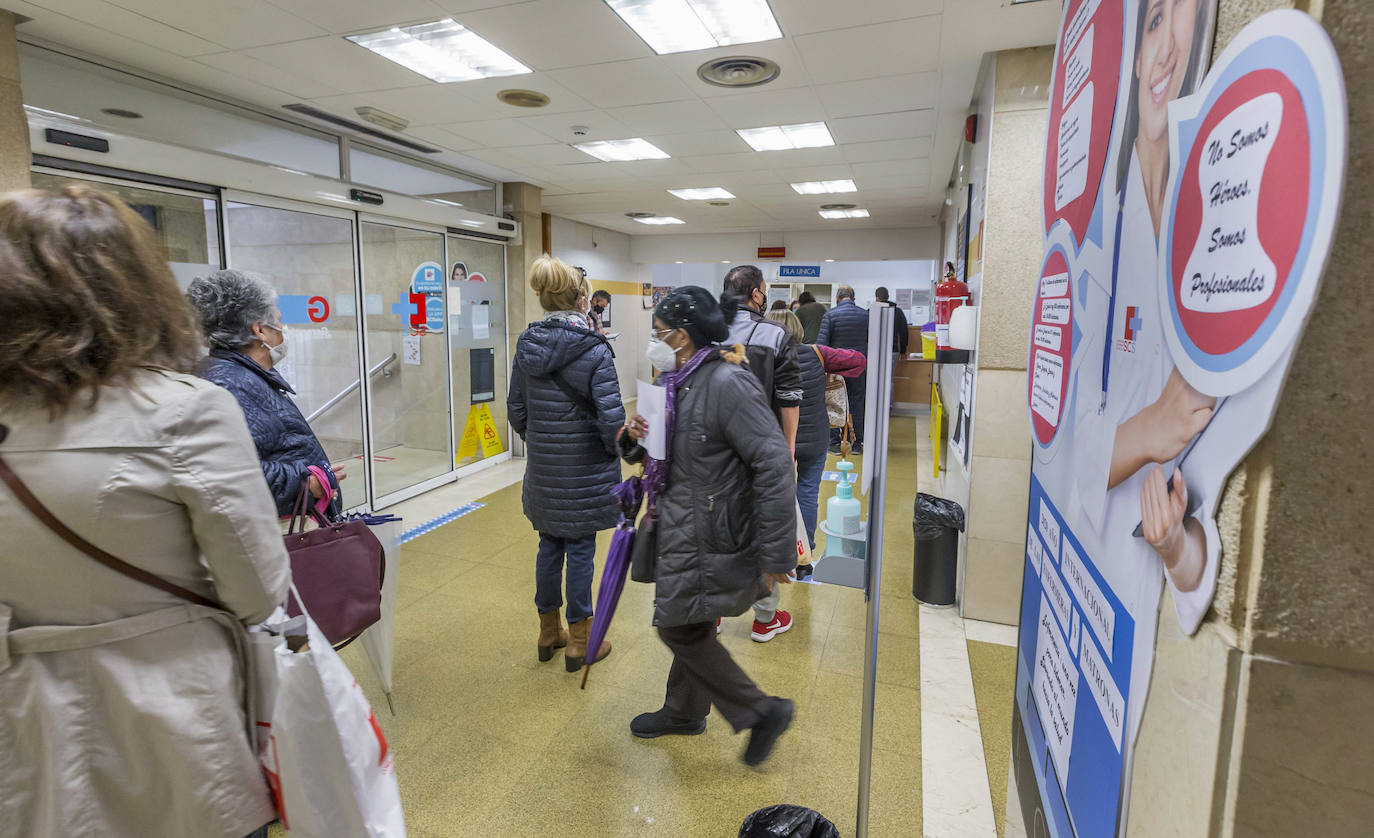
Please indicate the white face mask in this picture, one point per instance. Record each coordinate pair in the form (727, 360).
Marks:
(661, 355)
(278, 352)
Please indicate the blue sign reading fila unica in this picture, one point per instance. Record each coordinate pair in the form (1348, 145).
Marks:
(809, 271)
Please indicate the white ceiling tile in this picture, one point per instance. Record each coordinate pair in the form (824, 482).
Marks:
(348, 16)
(780, 51)
(339, 64)
(878, 172)
(551, 34)
(599, 124)
(499, 133)
(650, 168)
(700, 142)
(119, 21)
(438, 136)
(247, 67)
(799, 17)
(864, 52)
(428, 104)
(548, 155)
(798, 157)
(622, 83)
(561, 99)
(768, 107)
(909, 92)
(236, 24)
(888, 126)
(801, 174)
(506, 158)
(667, 118)
(473, 5)
(747, 161)
(886, 150)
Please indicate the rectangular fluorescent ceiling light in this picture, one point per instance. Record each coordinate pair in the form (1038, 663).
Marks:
(705, 193)
(682, 25)
(782, 137)
(820, 187)
(444, 51)
(660, 219)
(854, 213)
(619, 151)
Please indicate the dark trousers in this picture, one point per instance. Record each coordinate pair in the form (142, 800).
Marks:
(855, 389)
(548, 575)
(703, 673)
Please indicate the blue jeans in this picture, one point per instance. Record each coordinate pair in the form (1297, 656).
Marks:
(808, 493)
(548, 575)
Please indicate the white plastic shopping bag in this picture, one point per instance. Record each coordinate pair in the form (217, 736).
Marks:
(326, 757)
(803, 540)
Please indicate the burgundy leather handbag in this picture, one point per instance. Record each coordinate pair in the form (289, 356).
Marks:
(338, 570)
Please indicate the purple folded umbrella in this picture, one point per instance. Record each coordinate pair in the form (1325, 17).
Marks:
(630, 493)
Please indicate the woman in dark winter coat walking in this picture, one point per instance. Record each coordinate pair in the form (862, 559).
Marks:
(564, 402)
(726, 521)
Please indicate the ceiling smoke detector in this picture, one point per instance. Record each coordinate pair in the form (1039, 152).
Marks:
(739, 71)
(381, 118)
(122, 113)
(838, 206)
(640, 214)
(523, 98)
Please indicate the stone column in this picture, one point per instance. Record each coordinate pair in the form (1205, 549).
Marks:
(999, 469)
(523, 202)
(14, 127)
(1262, 724)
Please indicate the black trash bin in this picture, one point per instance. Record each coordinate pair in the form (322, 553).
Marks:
(936, 523)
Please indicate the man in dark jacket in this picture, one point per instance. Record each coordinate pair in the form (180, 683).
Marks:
(846, 327)
(773, 359)
(810, 313)
(899, 335)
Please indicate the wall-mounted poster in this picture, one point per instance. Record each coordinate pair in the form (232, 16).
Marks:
(1163, 325)
(646, 295)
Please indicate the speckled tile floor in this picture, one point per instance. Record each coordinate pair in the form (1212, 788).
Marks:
(490, 742)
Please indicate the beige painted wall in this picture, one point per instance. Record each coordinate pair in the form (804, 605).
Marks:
(999, 468)
(14, 128)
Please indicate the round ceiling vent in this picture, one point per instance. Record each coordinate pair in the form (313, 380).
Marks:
(838, 206)
(523, 98)
(738, 71)
(640, 214)
(122, 113)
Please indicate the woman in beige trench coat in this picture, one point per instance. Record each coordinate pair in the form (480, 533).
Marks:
(113, 729)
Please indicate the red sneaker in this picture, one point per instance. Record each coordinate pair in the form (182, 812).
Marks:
(718, 629)
(782, 621)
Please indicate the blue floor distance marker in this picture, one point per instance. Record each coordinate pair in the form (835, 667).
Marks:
(448, 517)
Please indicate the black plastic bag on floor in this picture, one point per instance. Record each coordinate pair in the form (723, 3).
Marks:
(787, 821)
(932, 515)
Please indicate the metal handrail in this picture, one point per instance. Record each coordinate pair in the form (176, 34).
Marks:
(347, 391)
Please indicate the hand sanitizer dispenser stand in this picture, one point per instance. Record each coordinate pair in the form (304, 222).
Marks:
(845, 536)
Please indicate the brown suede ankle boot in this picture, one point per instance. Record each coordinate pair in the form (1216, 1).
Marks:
(552, 635)
(576, 653)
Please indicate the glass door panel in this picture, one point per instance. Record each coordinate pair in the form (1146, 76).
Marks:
(410, 410)
(186, 223)
(309, 259)
(477, 339)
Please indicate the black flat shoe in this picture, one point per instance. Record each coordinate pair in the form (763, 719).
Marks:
(660, 723)
(764, 734)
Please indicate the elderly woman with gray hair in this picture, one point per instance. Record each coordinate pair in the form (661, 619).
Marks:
(242, 325)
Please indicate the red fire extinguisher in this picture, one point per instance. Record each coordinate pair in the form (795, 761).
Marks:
(949, 295)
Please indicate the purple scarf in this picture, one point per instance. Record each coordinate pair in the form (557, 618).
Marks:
(656, 471)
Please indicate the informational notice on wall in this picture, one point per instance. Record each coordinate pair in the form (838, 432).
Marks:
(1162, 327)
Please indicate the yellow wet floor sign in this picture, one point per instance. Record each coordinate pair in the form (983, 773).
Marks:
(480, 430)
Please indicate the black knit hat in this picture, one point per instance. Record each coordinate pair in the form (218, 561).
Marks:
(694, 310)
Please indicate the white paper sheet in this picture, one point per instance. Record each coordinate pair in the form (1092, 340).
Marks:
(653, 407)
(481, 322)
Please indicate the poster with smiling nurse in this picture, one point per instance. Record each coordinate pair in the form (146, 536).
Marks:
(1158, 352)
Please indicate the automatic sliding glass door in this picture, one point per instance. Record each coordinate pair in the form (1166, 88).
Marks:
(410, 412)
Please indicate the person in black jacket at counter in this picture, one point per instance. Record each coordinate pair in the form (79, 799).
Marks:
(564, 402)
(726, 522)
(846, 327)
(899, 326)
